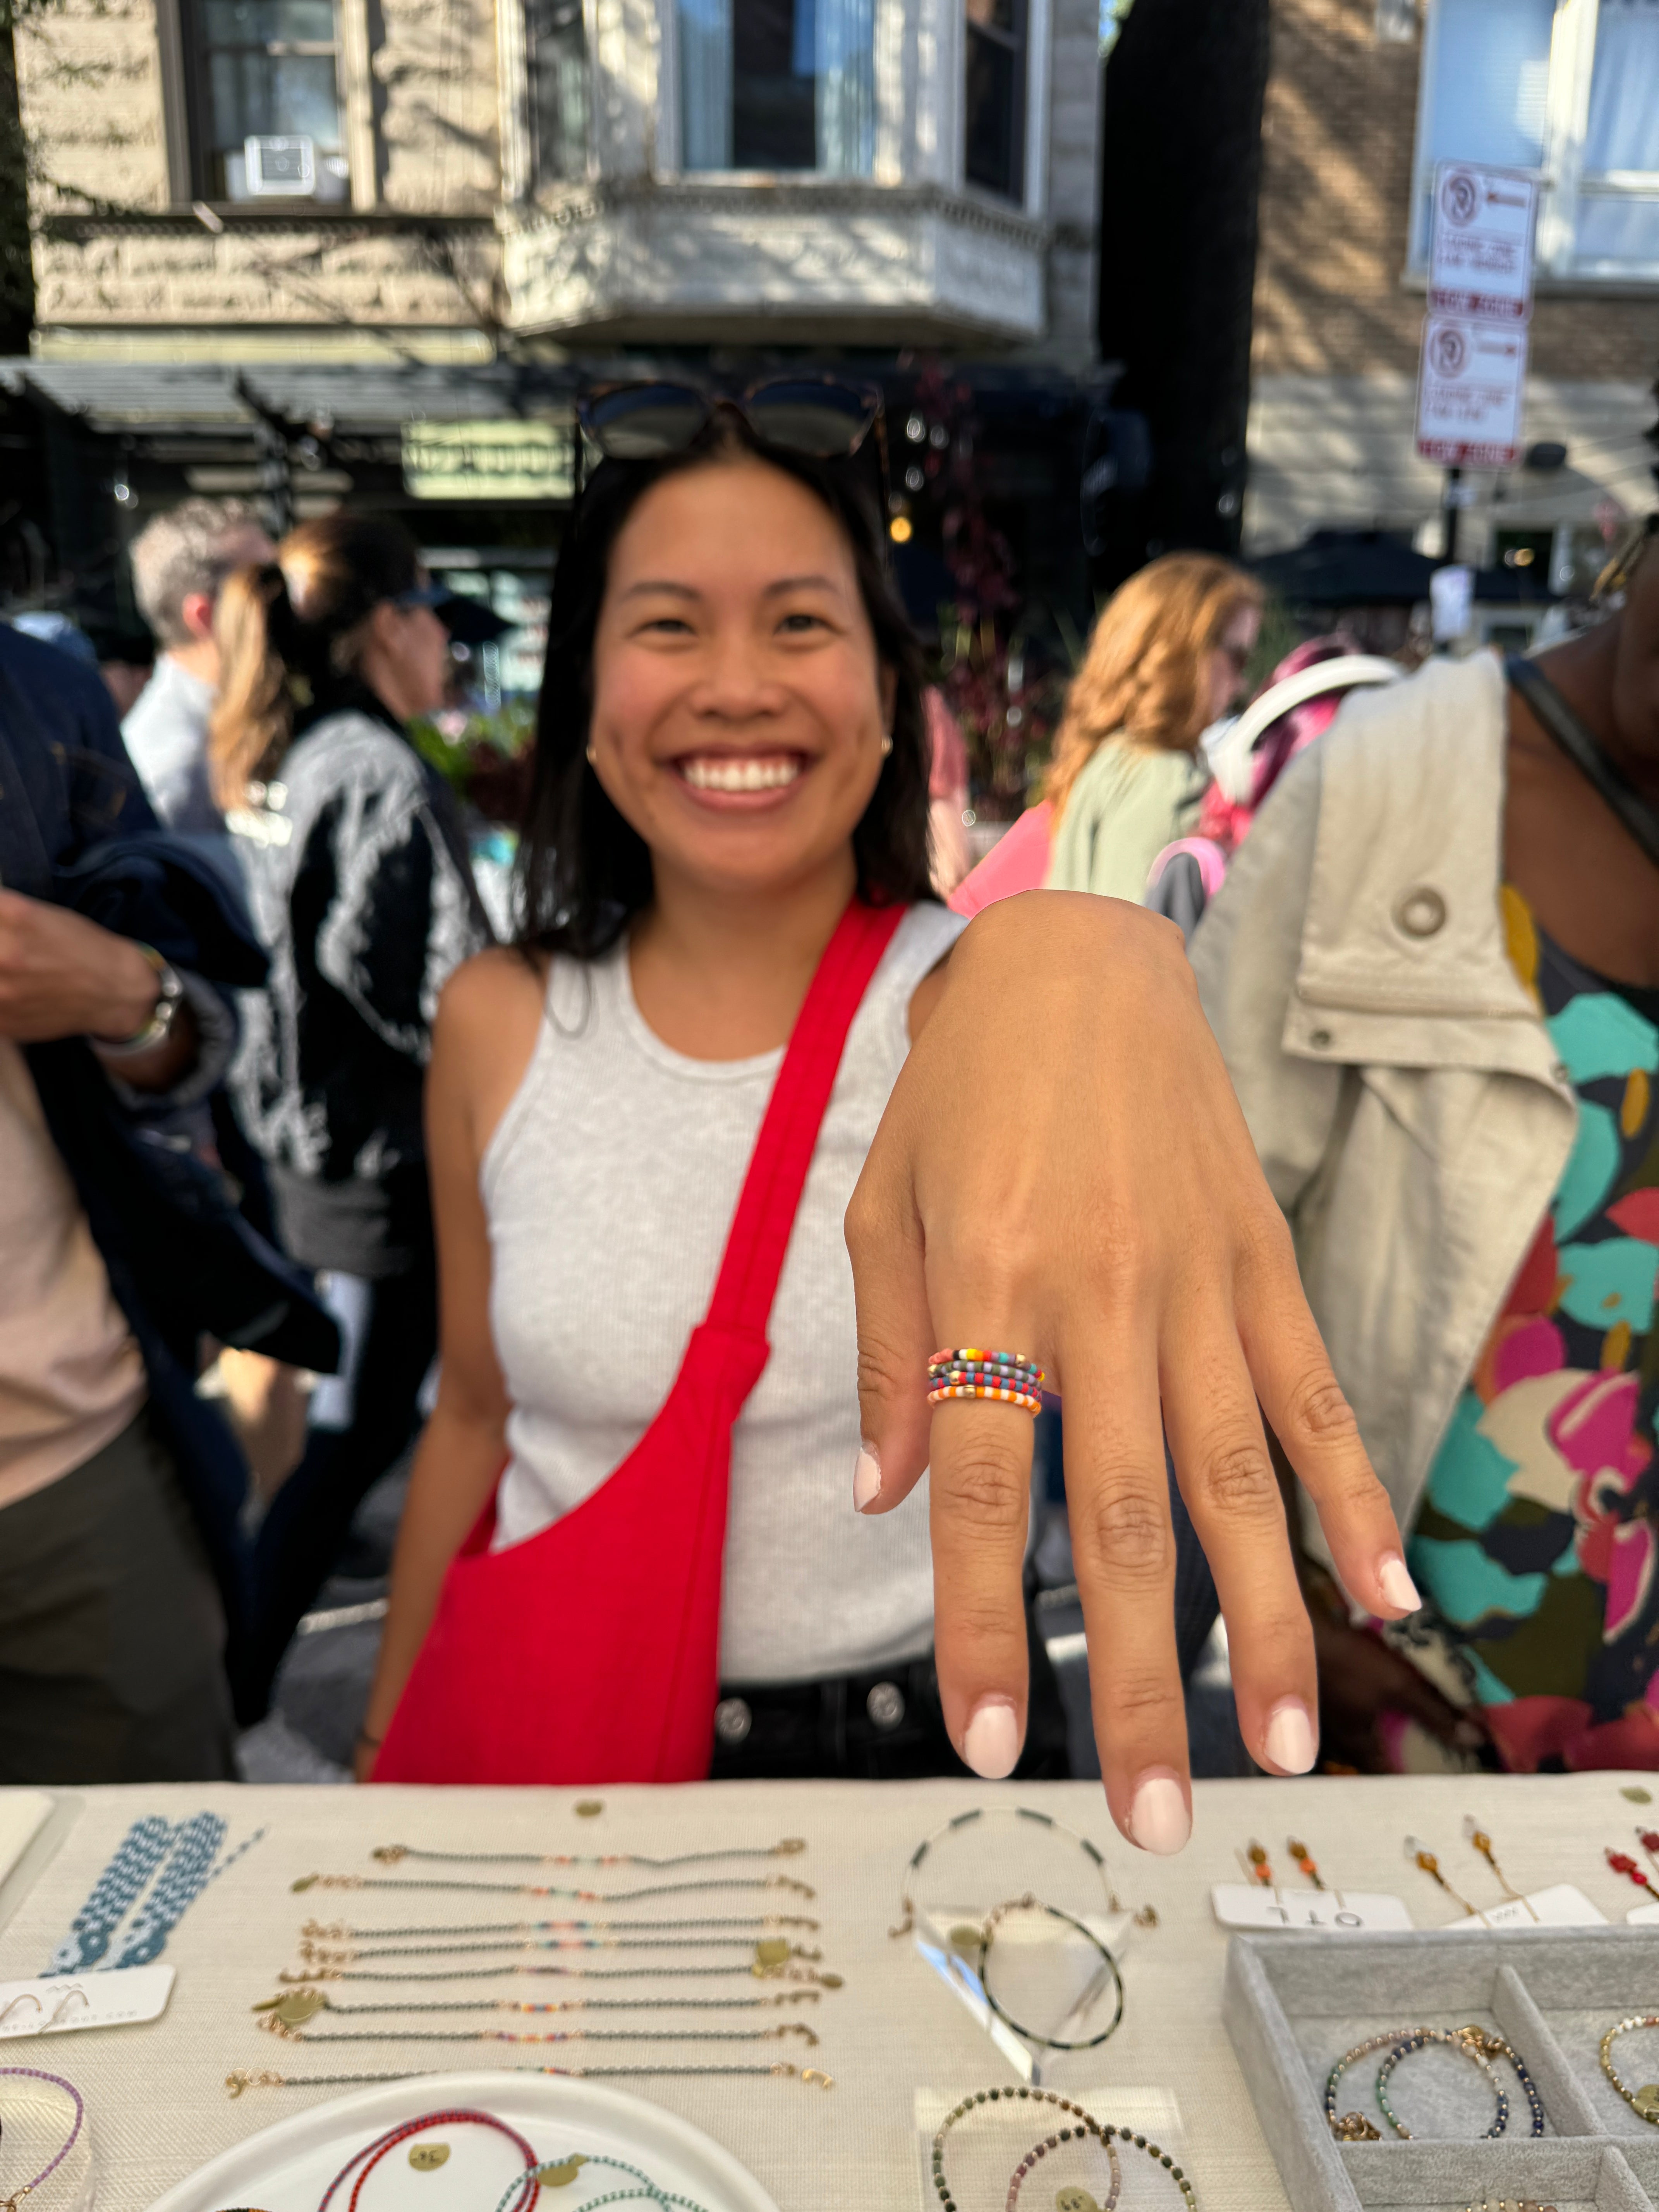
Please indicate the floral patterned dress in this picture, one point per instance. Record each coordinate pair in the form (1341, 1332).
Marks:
(1534, 1544)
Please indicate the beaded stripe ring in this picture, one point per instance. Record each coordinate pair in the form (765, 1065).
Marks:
(966, 1371)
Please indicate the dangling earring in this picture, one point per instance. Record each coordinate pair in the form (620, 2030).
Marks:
(886, 746)
(68, 1997)
(28, 1997)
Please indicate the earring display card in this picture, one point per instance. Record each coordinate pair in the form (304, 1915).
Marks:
(1565, 1905)
(1294, 2004)
(56, 2004)
(1341, 1912)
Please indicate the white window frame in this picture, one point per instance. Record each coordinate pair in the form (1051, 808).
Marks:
(1561, 176)
(890, 26)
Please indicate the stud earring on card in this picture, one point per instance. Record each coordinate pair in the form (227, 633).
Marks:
(1305, 1862)
(1254, 1860)
(1482, 1842)
(1420, 1856)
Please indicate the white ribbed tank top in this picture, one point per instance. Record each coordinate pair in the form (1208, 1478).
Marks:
(610, 1186)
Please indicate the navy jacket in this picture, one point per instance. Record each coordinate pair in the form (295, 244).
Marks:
(76, 829)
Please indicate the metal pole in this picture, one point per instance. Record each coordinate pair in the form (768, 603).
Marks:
(1448, 506)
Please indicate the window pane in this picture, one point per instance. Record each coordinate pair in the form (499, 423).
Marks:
(265, 22)
(1623, 231)
(1623, 109)
(1491, 62)
(705, 28)
(994, 75)
(774, 123)
(998, 14)
(778, 84)
(844, 58)
(558, 87)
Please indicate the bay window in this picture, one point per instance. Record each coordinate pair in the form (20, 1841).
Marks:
(778, 85)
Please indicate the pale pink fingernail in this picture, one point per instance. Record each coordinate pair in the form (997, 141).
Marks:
(1159, 1819)
(1290, 1738)
(1395, 1584)
(867, 1479)
(991, 1743)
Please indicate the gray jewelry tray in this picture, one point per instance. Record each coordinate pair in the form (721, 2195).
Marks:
(1294, 2004)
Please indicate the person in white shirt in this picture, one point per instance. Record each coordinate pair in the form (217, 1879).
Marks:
(178, 562)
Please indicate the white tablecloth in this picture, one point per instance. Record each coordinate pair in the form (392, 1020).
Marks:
(156, 2093)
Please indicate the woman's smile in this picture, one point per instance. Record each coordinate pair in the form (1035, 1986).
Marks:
(746, 779)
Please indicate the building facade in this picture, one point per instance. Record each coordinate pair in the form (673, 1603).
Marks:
(1363, 97)
(262, 179)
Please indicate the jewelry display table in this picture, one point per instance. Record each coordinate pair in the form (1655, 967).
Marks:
(155, 2094)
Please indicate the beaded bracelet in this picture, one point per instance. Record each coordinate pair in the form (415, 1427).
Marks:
(1354, 2127)
(1031, 2035)
(1140, 2142)
(34, 2074)
(1090, 2126)
(1460, 2042)
(1039, 2151)
(373, 2152)
(1643, 2101)
(558, 2172)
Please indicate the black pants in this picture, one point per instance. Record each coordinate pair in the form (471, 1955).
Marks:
(884, 1726)
(111, 1631)
(360, 1423)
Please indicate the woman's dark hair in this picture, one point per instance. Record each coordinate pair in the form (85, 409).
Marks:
(290, 632)
(583, 872)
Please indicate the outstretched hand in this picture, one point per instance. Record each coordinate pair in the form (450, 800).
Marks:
(1063, 1171)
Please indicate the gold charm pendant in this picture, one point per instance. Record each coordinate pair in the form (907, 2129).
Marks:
(426, 2158)
(1646, 2101)
(561, 2176)
(1075, 2199)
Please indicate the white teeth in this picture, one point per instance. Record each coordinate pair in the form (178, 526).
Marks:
(726, 774)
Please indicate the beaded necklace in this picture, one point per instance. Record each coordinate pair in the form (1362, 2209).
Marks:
(185, 1856)
(557, 2173)
(273, 2025)
(524, 2186)
(322, 1971)
(300, 2006)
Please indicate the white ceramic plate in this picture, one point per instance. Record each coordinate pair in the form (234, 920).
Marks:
(287, 2167)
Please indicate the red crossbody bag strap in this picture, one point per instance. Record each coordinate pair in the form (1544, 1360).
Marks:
(761, 1228)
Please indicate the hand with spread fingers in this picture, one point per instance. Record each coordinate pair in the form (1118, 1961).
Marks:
(1063, 1178)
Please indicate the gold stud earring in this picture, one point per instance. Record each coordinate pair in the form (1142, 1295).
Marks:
(886, 746)
(592, 758)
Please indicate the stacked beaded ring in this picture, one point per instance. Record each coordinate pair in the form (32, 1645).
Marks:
(1470, 2048)
(968, 1372)
(1090, 2126)
(1644, 2101)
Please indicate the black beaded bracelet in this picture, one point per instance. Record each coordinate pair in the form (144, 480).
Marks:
(1090, 2126)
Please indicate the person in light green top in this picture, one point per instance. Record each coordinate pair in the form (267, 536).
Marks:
(1165, 660)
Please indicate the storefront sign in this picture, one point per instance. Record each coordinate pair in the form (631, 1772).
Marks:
(1469, 392)
(489, 460)
(1480, 262)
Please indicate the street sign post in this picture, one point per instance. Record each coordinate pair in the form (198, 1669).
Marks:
(1481, 259)
(1470, 386)
(1472, 376)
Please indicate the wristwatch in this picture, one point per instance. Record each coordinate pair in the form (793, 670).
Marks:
(169, 997)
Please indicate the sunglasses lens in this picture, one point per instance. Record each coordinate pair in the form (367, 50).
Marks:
(643, 422)
(825, 420)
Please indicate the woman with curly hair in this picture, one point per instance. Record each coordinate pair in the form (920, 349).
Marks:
(1166, 659)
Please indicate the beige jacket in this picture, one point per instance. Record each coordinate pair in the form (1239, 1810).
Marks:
(1403, 1092)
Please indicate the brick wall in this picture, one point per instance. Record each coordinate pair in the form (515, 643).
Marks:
(1338, 143)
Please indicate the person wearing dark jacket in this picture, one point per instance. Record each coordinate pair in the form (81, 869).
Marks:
(120, 1566)
(364, 896)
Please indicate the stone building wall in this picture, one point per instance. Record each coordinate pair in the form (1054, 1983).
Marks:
(116, 254)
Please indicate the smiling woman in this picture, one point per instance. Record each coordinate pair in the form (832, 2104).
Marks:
(669, 1510)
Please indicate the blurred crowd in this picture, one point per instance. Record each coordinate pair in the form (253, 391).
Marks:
(299, 1168)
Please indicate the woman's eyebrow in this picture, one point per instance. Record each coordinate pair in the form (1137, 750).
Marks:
(801, 583)
(661, 584)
